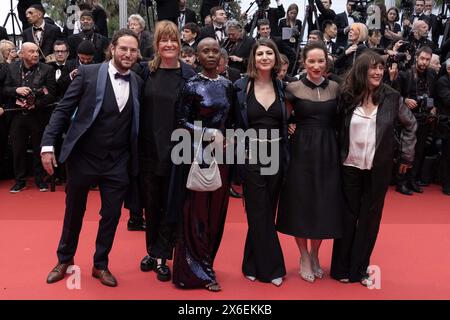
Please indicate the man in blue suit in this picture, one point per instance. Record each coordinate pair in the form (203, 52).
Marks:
(101, 110)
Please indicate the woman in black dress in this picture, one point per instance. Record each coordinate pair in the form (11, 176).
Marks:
(164, 78)
(311, 199)
(370, 111)
(206, 97)
(261, 107)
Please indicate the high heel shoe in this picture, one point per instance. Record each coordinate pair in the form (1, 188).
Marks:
(277, 281)
(307, 276)
(317, 270)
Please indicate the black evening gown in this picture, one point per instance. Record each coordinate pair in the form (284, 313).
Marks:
(203, 213)
(311, 201)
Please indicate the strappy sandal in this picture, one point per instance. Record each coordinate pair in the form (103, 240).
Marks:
(213, 286)
(307, 276)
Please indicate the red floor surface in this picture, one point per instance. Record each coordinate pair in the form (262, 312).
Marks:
(412, 252)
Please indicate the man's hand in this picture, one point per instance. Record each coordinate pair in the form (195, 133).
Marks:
(48, 160)
(73, 74)
(291, 128)
(23, 91)
(393, 72)
(351, 49)
(236, 59)
(411, 103)
(403, 168)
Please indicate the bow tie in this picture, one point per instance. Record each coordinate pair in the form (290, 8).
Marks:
(219, 29)
(59, 66)
(125, 77)
(37, 29)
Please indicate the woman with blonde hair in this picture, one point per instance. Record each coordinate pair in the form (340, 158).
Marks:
(164, 78)
(357, 35)
(8, 51)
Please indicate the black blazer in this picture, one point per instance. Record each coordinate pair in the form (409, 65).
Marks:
(85, 95)
(341, 22)
(190, 16)
(443, 95)
(391, 112)
(3, 34)
(100, 42)
(44, 77)
(241, 116)
(51, 34)
(168, 10)
(242, 50)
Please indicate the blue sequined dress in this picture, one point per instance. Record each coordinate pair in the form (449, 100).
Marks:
(203, 213)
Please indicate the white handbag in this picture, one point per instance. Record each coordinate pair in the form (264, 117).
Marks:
(203, 179)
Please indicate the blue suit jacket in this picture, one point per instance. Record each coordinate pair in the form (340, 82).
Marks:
(85, 95)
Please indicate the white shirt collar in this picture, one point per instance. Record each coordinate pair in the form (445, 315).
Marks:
(114, 69)
(42, 25)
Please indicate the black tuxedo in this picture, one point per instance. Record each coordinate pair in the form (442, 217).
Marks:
(434, 26)
(189, 16)
(29, 123)
(100, 148)
(167, 10)
(341, 22)
(210, 32)
(50, 35)
(100, 43)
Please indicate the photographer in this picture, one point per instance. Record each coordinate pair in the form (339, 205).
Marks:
(326, 13)
(419, 34)
(30, 85)
(443, 104)
(265, 12)
(343, 22)
(238, 46)
(417, 87)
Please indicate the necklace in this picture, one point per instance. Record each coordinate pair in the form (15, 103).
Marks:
(206, 77)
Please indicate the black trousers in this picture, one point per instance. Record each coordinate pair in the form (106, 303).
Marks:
(445, 162)
(22, 127)
(112, 183)
(263, 257)
(364, 192)
(413, 174)
(159, 234)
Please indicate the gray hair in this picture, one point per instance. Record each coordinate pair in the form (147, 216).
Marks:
(233, 24)
(447, 63)
(223, 54)
(138, 18)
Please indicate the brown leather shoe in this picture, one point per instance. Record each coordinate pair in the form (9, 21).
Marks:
(105, 277)
(58, 272)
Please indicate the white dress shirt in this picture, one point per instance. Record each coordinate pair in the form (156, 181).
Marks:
(120, 86)
(362, 139)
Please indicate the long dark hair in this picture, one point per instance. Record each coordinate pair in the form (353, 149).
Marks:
(355, 86)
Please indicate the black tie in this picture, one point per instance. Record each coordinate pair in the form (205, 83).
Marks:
(59, 66)
(219, 29)
(125, 77)
(37, 29)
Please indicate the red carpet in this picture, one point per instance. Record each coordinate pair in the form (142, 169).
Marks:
(413, 252)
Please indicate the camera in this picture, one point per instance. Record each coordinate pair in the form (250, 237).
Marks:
(359, 10)
(401, 57)
(30, 99)
(424, 103)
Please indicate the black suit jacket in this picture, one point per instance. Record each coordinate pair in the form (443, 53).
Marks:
(190, 16)
(44, 77)
(51, 34)
(443, 95)
(209, 32)
(85, 95)
(435, 26)
(242, 50)
(3, 34)
(167, 10)
(391, 111)
(100, 42)
(341, 22)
